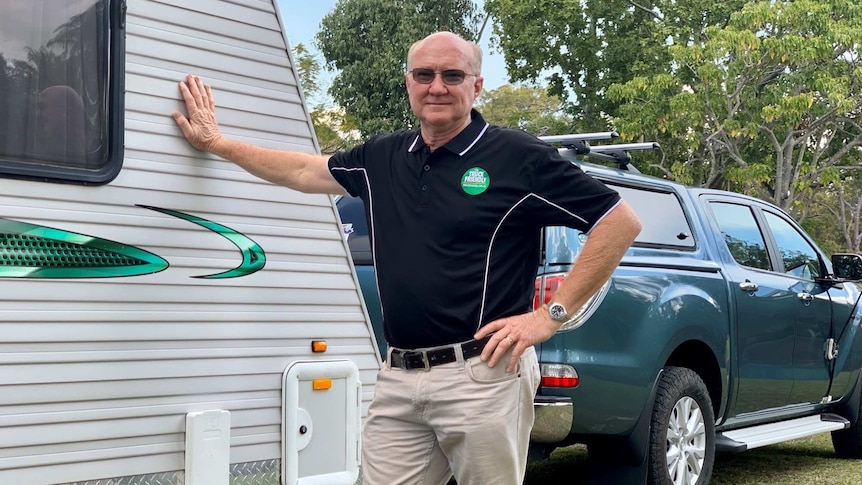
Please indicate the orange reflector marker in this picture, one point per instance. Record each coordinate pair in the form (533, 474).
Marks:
(318, 345)
(321, 384)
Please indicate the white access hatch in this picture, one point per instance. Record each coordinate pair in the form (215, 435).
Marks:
(321, 430)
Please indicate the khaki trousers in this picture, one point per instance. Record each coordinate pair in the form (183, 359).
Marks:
(462, 418)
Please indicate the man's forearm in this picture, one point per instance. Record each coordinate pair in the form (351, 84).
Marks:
(599, 257)
(304, 172)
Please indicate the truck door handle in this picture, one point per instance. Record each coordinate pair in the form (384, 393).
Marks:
(806, 297)
(748, 286)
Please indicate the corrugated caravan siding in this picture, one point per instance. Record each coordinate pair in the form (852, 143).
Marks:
(96, 375)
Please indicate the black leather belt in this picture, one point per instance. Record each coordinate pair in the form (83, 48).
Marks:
(425, 359)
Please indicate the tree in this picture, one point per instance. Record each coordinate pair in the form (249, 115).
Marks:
(585, 46)
(308, 69)
(334, 130)
(530, 109)
(766, 105)
(366, 41)
(833, 213)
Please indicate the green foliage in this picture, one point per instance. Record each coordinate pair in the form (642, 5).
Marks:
(766, 104)
(334, 129)
(308, 69)
(366, 41)
(530, 109)
(586, 46)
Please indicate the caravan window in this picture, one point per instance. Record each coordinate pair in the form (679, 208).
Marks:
(59, 64)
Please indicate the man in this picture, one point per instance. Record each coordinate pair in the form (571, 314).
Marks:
(455, 209)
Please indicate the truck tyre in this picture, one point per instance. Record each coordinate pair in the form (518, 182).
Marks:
(848, 442)
(682, 431)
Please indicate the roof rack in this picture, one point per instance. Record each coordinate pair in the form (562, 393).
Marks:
(618, 154)
(579, 142)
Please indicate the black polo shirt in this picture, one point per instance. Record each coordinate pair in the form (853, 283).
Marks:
(455, 234)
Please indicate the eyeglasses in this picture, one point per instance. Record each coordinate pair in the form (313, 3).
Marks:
(451, 77)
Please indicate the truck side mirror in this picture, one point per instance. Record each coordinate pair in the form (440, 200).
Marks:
(847, 266)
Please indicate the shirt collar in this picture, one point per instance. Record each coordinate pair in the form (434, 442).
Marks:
(464, 141)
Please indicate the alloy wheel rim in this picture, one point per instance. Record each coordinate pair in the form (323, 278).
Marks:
(686, 442)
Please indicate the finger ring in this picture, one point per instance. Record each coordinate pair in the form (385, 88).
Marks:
(511, 342)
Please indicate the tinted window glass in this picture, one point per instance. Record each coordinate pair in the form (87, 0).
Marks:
(54, 80)
(661, 215)
(355, 228)
(562, 244)
(742, 234)
(800, 259)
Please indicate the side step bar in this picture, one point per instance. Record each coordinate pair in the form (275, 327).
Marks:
(768, 434)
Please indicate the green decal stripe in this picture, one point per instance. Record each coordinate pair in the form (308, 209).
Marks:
(253, 257)
(33, 251)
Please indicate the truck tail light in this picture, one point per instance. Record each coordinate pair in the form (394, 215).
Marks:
(546, 287)
(559, 375)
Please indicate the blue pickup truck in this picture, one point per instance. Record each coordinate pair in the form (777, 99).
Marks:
(724, 328)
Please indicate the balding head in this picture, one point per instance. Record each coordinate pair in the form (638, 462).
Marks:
(471, 51)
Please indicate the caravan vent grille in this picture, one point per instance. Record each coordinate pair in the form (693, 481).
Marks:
(23, 250)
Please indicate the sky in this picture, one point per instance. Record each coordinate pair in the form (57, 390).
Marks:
(302, 20)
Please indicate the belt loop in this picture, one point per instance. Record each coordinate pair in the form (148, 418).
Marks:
(425, 362)
(388, 363)
(459, 357)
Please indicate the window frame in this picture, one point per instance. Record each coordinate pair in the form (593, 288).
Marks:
(778, 255)
(758, 210)
(663, 190)
(18, 169)
(762, 229)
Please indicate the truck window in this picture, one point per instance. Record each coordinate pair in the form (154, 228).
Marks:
(58, 64)
(663, 220)
(799, 257)
(661, 215)
(741, 234)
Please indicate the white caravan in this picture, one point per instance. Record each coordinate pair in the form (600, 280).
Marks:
(166, 318)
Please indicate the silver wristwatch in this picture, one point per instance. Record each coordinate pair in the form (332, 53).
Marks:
(558, 312)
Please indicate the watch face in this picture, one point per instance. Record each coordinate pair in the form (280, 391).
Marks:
(557, 311)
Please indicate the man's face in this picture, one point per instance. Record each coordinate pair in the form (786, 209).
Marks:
(440, 106)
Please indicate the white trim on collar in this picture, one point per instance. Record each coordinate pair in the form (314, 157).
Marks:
(413, 145)
(484, 129)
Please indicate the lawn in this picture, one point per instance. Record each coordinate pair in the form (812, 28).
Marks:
(804, 461)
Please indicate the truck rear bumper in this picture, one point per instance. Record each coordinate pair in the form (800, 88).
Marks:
(553, 421)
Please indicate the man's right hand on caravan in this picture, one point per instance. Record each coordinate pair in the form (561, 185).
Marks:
(200, 128)
(300, 171)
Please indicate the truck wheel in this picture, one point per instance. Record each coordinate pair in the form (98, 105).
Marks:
(682, 432)
(848, 442)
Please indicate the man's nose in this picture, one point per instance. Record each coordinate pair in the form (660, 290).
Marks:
(437, 85)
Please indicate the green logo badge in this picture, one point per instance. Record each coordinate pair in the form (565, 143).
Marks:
(475, 181)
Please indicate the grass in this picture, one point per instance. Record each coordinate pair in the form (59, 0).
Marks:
(803, 461)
